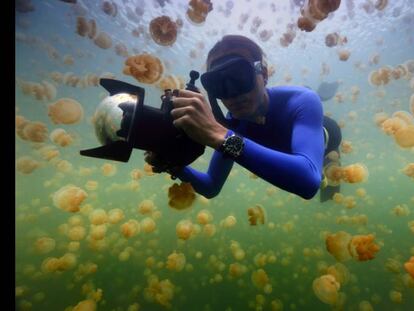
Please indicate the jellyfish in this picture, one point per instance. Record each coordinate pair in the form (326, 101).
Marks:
(148, 225)
(103, 40)
(85, 305)
(355, 173)
(395, 296)
(65, 111)
(184, 229)
(204, 217)
(76, 233)
(144, 67)
(34, 131)
(391, 125)
(181, 196)
(409, 170)
(169, 82)
(146, 207)
(346, 146)
(337, 245)
(61, 137)
(381, 4)
(362, 247)
(115, 216)
(340, 272)
(45, 245)
(326, 289)
(256, 214)
(344, 55)
(163, 30)
(26, 165)
(98, 217)
(109, 8)
(260, 278)
(404, 136)
(108, 169)
(130, 228)
(69, 198)
(198, 10)
(176, 261)
(409, 266)
(315, 11)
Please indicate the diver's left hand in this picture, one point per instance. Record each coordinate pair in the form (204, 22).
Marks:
(192, 113)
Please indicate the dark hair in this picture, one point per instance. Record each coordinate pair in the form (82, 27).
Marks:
(229, 42)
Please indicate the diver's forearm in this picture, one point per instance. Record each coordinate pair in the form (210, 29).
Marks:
(295, 173)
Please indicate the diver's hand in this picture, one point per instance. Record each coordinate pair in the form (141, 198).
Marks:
(192, 113)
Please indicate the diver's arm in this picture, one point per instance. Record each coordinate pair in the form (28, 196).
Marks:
(208, 184)
(298, 172)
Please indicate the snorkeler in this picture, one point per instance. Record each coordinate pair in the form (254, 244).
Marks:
(277, 133)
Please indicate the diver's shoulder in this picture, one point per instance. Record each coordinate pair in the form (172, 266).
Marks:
(288, 90)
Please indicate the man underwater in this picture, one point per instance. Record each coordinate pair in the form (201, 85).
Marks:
(277, 133)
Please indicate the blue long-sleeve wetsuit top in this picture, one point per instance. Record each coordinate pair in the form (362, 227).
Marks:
(287, 151)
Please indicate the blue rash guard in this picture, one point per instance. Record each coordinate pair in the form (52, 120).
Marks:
(287, 151)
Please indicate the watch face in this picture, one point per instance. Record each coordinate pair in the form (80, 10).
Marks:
(233, 146)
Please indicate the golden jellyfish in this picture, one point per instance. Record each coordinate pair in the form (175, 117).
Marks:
(237, 270)
(198, 10)
(69, 198)
(210, 229)
(326, 289)
(229, 221)
(97, 232)
(184, 229)
(148, 225)
(337, 245)
(365, 306)
(340, 272)
(91, 185)
(181, 196)
(35, 131)
(115, 216)
(108, 169)
(76, 233)
(381, 4)
(170, 82)
(85, 305)
(315, 11)
(362, 247)
(64, 166)
(404, 116)
(346, 146)
(121, 50)
(344, 55)
(404, 136)
(163, 30)
(136, 174)
(162, 292)
(61, 137)
(260, 278)
(204, 217)
(146, 207)
(98, 217)
(331, 39)
(144, 67)
(109, 8)
(395, 296)
(409, 170)
(354, 173)
(409, 266)
(103, 40)
(333, 172)
(26, 165)
(65, 111)
(176, 261)
(130, 228)
(391, 125)
(45, 245)
(256, 214)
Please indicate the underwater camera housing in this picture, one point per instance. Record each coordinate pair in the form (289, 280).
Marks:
(122, 122)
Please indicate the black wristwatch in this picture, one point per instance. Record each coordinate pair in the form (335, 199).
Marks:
(232, 146)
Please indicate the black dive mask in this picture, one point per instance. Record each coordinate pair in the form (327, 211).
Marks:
(230, 76)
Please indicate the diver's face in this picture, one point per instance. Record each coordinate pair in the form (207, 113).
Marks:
(245, 106)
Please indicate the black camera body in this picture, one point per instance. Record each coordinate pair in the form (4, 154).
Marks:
(146, 128)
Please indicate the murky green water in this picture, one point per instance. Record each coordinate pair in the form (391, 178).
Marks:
(87, 259)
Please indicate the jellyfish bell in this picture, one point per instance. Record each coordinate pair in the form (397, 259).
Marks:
(122, 122)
